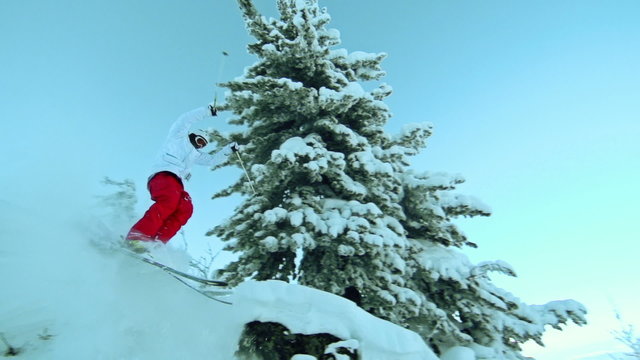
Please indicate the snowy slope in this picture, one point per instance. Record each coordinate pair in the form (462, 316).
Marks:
(63, 298)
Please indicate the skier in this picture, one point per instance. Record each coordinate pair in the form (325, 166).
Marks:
(172, 205)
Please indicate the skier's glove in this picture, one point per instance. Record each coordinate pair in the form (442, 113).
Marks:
(234, 147)
(213, 109)
(231, 148)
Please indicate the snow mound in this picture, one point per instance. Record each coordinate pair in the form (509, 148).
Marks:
(308, 311)
(458, 353)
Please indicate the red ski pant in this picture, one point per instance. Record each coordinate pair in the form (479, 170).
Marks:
(171, 210)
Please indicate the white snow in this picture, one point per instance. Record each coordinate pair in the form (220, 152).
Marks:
(96, 304)
(367, 161)
(296, 218)
(292, 148)
(306, 310)
(63, 298)
(458, 353)
(345, 250)
(352, 91)
(274, 215)
(458, 200)
(348, 344)
(303, 357)
(447, 263)
(359, 56)
(270, 243)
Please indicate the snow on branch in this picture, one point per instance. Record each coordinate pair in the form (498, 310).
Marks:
(556, 313)
(457, 205)
(500, 266)
(414, 136)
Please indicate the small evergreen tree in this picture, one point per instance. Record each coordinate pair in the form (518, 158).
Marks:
(628, 336)
(120, 203)
(338, 207)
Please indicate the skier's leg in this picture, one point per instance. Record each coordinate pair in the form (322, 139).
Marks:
(176, 220)
(165, 191)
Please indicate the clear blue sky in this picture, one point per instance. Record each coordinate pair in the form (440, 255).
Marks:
(535, 103)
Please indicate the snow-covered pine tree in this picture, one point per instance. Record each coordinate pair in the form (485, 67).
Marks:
(459, 305)
(327, 205)
(338, 207)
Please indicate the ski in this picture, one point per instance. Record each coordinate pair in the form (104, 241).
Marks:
(175, 272)
(213, 295)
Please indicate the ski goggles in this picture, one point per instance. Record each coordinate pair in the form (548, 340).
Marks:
(201, 141)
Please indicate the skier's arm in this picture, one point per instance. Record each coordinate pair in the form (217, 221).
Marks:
(180, 128)
(217, 158)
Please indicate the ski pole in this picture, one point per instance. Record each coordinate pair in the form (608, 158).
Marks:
(220, 68)
(246, 173)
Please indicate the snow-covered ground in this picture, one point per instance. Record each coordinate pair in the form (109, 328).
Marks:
(64, 298)
(309, 311)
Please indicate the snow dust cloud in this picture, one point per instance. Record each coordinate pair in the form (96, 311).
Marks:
(63, 297)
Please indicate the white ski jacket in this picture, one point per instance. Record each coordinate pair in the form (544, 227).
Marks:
(178, 154)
